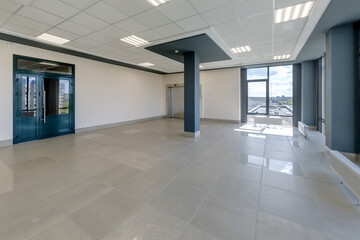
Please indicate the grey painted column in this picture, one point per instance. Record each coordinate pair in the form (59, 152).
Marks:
(342, 118)
(308, 93)
(191, 94)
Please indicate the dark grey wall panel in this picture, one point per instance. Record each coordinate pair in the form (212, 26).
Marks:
(244, 96)
(296, 94)
(308, 93)
(342, 122)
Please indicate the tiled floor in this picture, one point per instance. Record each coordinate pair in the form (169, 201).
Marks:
(147, 181)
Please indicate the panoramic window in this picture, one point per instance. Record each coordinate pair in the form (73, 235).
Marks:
(270, 93)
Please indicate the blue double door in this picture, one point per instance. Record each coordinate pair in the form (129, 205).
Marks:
(43, 106)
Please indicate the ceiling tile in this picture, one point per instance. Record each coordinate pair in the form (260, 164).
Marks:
(87, 42)
(56, 7)
(62, 33)
(80, 4)
(89, 21)
(77, 45)
(9, 6)
(115, 32)
(20, 30)
(253, 7)
(291, 25)
(131, 25)
(107, 47)
(152, 18)
(74, 28)
(262, 32)
(132, 7)
(99, 37)
(192, 23)
(169, 30)
(206, 5)
(220, 15)
(98, 51)
(119, 44)
(28, 23)
(106, 12)
(150, 35)
(229, 27)
(39, 15)
(287, 3)
(4, 15)
(171, 10)
(258, 21)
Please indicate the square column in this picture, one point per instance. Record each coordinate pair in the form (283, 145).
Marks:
(191, 94)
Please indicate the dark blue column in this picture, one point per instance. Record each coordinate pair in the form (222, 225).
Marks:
(191, 94)
(308, 93)
(342, 116)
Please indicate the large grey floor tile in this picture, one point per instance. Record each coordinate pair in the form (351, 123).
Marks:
(53, 184)
(118, 175)
(16, 199)
(226, 224)
(193, 233)
(292, 206)
(28, 220)
(65, 229)
(148, 223)
(79, 195)
(244, 192)
(105, 213)
(144, 185)
(179, 199)
(270, 227)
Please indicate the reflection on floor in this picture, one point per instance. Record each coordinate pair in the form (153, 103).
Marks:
(262, 129)
(147, 181)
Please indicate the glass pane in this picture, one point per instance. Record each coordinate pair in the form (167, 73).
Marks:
(281, 91)
(64, 97)
(43, 66)
(57, 96)
(257, 97)
(28, 96)
(257, 73)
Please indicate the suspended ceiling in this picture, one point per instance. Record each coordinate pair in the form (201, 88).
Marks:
(96, 27)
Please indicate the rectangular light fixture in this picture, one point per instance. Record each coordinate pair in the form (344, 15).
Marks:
(293, 12)
(52, 39)
(241, 49)
(156, 3)
(146, 64)
(134, 40)
(282, 57)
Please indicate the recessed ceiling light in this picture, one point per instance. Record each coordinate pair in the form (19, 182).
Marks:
(134, 40)
(53, 39)
(293, 12)
(156, 3)
(146, 64)
(281, 57)
(241, 49)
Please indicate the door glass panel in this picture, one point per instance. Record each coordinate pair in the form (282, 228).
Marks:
(257, 97)
(57, 96)
(28, 96)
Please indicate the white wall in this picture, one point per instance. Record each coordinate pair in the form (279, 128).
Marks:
(220, 93)
(104, 93)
